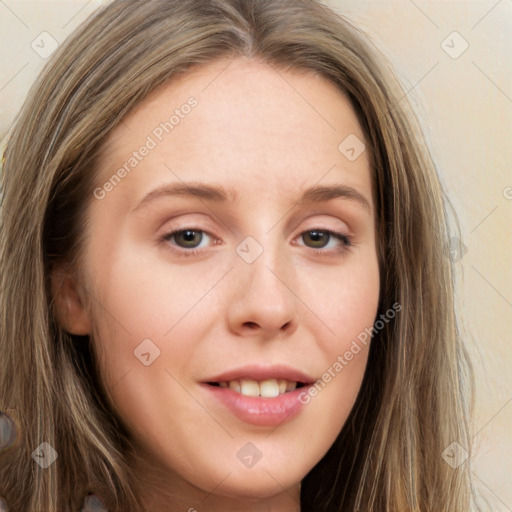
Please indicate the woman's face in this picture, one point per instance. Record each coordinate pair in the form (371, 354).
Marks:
(253, 295)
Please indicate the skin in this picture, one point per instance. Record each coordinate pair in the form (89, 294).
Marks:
(268, 135)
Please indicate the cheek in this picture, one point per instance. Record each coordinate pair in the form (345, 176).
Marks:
(146, 294)
(144, 311)
(345, 300)
(348, 303)
(357, 303)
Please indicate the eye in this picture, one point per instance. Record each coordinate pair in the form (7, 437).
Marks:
(188, 241)
(189, 238)
(321, 238)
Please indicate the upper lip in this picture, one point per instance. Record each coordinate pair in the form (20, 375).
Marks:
(263, 372)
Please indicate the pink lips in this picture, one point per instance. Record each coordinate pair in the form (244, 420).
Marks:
(259, 410)
(262, 372)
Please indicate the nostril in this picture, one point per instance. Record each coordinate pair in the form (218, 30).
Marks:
(251, 325)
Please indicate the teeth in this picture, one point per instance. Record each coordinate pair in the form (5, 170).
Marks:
(269, 388)
(234, 385)
(249, 387)
(290, 386)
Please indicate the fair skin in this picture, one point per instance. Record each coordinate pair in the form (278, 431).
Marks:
(267, 136)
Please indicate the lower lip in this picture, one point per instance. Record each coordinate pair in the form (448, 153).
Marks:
(265, 412)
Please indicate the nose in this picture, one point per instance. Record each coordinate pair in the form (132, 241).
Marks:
(264, 303)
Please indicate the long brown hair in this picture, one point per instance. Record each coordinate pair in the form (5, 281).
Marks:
(417, 393)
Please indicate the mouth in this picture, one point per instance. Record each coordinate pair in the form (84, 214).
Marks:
(262, 395)
(267, 388)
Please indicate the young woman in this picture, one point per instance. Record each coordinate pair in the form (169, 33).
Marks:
(225, 282)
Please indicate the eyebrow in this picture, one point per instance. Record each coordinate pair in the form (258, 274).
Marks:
(216, 193)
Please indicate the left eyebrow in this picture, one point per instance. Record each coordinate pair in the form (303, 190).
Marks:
(321, 193)
(216, 193)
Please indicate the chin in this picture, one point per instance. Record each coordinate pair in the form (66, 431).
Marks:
(256, 487)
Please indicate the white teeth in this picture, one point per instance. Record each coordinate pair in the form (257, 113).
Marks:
(234, 385)
(249, 387)
(269, 388)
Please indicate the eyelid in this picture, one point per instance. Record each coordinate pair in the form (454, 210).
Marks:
(181, 251)
(345, 239)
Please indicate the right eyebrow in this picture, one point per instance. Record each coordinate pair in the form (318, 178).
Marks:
(191, 189)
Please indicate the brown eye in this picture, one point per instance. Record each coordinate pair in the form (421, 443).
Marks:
(318, 238)
(186, 238)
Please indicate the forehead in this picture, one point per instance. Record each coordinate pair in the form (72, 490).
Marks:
(251, 125)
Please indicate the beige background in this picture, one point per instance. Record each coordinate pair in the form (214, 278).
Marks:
(465, 104)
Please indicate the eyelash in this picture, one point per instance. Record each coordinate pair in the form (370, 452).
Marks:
(346, 241)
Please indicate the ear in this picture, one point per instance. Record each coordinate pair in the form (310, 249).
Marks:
(69, 304)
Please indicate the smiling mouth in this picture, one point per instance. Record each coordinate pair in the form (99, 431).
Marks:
(268, 388)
